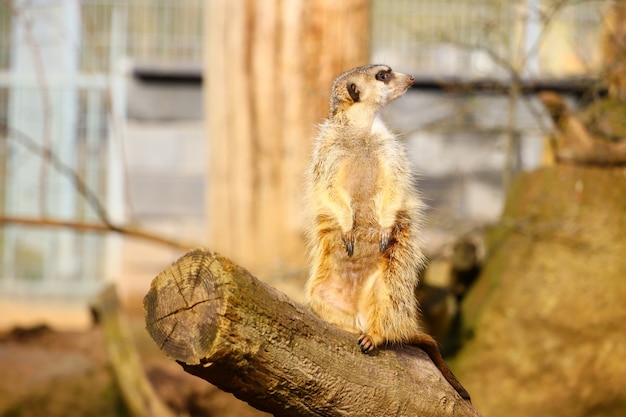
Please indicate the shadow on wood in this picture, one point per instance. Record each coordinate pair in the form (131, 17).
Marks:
(228, 328)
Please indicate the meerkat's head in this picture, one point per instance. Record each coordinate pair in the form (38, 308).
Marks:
(357, 95)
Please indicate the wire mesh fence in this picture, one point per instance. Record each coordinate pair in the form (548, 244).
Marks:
(155, 32)
(485, 38)
(62, 85)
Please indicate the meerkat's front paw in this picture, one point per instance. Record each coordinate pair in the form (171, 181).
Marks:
(348, 240)
(366, 344)
(384, 239)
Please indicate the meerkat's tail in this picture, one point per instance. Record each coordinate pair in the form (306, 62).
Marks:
(426, 342)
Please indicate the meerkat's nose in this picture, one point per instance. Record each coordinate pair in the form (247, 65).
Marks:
(411, 80)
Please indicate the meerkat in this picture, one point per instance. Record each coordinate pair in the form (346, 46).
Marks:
(365, 219)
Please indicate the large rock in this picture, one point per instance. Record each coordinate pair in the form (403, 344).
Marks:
(549, 311)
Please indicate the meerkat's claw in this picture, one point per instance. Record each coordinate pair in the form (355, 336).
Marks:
(384, 239)
(366, 344)
(348, 240)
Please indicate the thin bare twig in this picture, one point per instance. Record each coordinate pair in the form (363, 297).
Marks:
(46, 104)
(95, 227)
(49, 157)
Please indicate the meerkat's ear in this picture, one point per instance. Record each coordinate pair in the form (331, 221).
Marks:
(354, 92)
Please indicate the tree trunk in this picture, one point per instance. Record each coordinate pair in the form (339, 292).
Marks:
(228, 328)
(268, 75)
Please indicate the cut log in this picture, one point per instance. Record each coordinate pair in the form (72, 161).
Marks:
(238, 333)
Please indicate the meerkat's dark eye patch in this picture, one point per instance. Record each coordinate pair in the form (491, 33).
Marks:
(354, 92)
(384, 75)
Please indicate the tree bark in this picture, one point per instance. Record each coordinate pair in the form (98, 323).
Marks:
(226, 327)
(269, 69)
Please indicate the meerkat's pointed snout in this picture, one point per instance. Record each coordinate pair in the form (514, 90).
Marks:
(405, 79)
(399, 85)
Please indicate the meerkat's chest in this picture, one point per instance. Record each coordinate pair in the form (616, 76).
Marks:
(362, 175)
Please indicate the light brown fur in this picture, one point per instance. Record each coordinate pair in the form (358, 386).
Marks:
(364, 234)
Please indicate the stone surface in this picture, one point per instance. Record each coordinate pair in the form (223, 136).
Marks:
(548, 313)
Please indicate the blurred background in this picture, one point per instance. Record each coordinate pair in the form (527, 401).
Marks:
(110, 93)
(132, 131)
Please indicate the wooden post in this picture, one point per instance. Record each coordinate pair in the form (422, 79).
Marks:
(139, 395)
(270, 65)
(226, 327)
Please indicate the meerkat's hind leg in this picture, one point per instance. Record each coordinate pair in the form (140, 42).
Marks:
(369, 309)
(366, 344)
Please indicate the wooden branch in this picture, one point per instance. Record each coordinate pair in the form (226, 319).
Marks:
(139, 395)
(93, 227)
(226, 327)
(574, 143)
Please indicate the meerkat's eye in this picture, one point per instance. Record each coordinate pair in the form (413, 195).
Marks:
(383, 75)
